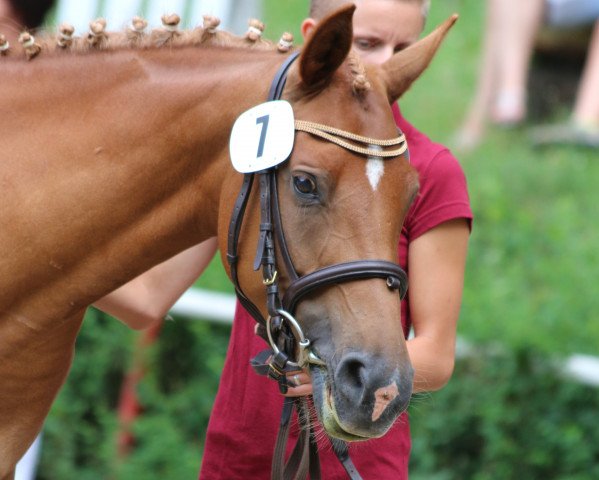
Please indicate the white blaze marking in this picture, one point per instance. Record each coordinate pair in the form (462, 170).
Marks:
(375, 168)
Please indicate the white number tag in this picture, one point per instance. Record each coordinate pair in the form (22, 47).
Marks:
(262, 137)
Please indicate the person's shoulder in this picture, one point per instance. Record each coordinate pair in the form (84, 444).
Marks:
(443, 193)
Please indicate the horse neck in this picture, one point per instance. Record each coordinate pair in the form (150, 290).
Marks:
(128, 149)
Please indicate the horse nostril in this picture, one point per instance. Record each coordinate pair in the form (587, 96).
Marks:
(367, 392)
(351, 376)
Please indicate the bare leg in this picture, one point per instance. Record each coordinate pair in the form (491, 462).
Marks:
(586, 108)
(583, 127)
(511, 27)
(9, 476)
(473, 128)
(521, 24)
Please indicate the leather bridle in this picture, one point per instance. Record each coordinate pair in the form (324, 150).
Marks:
(290, 349)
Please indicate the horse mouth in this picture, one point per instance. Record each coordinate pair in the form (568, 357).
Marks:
(324, 402)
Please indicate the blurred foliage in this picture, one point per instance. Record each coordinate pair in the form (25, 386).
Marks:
(529, 287)
(510, 414)
(176, 395)
(533, 256)
(215, 278)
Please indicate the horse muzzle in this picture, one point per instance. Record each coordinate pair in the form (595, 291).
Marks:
(360, 399)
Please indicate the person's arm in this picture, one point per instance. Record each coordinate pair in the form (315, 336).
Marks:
(147, 298)
(436, 263)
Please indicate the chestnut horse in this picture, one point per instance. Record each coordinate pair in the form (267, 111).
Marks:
(115, 159)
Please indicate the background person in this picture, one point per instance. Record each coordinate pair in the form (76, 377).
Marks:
(582, 128)
(241, 435)
(510, 32)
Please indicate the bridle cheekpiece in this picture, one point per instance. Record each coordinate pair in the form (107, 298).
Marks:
(290, 350)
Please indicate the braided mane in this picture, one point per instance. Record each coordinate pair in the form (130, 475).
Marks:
(137, 35)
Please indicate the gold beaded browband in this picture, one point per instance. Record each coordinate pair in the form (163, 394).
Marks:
(333, 135)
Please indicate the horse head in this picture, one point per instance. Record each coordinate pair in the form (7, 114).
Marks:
(342, 196)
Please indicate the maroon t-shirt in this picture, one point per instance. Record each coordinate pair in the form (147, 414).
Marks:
(245, 418)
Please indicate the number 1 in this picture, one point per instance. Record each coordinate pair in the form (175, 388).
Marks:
(264, 121)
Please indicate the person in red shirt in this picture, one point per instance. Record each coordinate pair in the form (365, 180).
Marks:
(433, 246)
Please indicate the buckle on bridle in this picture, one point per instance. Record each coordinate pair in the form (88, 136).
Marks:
(272, 280)
(305, 355)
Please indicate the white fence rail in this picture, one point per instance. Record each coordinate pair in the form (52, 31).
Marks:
(213, 306)
(584, 368)
(220, 307)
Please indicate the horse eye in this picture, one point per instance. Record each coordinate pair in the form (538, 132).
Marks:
(305, 184)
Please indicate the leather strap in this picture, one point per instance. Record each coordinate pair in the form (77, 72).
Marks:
(279, 232)
(278, 460)
(345, 272)
(278, 83)
(232, 243)
(304, 458)
(342, 452)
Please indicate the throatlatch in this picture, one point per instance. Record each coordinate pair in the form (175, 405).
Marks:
(290, 350)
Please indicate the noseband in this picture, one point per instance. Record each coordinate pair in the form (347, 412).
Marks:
(291, 350)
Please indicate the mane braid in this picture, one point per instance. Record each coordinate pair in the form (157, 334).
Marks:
(135, 37)
(360, 83)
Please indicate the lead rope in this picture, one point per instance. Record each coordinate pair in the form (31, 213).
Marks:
(298, 465)
(306, 449)
(304, 457)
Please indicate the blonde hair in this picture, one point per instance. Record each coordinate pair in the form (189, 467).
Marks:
(321, 8)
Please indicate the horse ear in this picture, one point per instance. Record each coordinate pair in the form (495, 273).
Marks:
(327, 47)
(406, 66)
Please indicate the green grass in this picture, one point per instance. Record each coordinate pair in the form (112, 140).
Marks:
(284, 16)
(215, 278)
(533, 254)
